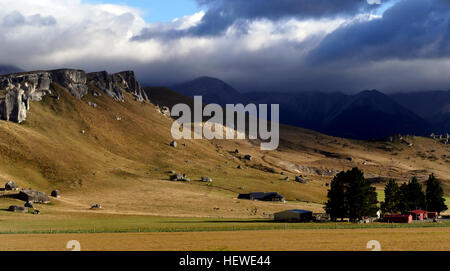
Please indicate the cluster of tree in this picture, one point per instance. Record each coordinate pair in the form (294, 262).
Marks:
(351, 196)
(410, 196)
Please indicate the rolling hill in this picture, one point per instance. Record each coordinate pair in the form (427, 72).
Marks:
(97, 149)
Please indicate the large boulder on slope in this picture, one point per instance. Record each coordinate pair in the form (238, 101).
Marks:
(18, 209)
(11, 185)
(33, 196)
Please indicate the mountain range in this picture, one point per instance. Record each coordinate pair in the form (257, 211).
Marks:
(7, 69)
(367, 115)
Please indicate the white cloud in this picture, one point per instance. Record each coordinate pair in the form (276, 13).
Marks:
(96, 36)
(49, 34)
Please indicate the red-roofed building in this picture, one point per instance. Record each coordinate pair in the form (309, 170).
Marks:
(398, 218)
(419, 214)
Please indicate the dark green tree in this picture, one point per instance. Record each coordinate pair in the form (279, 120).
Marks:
(435, 195)
(402, 204)
(336, 205)
(392, 198)
(412, 196)
(352, 196)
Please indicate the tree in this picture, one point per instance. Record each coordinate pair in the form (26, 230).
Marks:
(352, 196)
(392, 198)
(336, 205)
(412, 196)
(435, 195)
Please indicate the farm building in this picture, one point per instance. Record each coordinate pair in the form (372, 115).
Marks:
(432, 215)
(296, 215)
(271, 196)
(419, 214)
(398, 218)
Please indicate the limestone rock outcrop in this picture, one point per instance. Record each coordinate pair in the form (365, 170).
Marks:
(17, 90)
(106, 83)
(75, 81)
(127, 80)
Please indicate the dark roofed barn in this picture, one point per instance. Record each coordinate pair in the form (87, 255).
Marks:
(271, 196)
(296, 215)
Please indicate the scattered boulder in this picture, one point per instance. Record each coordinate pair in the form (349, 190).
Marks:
(176, 177)
(179, 178)
(18, 209)
(174, 144)
(236, 151)
(29, 204)
(172, 172)
(248, 157)
(206, 180)
(36, 212)
(56, 194)
(11, 185)
(91, 104)
(165, 111)
(300, 179)
(33, 196)
(96, 206)
(286, 179)
(240, 167)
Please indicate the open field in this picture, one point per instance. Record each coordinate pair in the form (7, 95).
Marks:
(109, 223)
(434, 239)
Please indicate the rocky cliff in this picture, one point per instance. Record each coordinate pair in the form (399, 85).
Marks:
(17, 90)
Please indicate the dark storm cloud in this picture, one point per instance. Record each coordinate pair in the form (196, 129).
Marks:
(222, 14)
(411, 29)
(16, 18)
(408, 47)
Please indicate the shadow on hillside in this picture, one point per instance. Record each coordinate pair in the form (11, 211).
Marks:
(9, 196)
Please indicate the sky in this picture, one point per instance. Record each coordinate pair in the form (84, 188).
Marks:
(255, 45)
(157, 10)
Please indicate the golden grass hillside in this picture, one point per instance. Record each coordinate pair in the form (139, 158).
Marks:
(118, 154)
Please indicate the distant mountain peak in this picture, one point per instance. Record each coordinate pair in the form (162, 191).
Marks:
(213, 90)
(8, 69)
